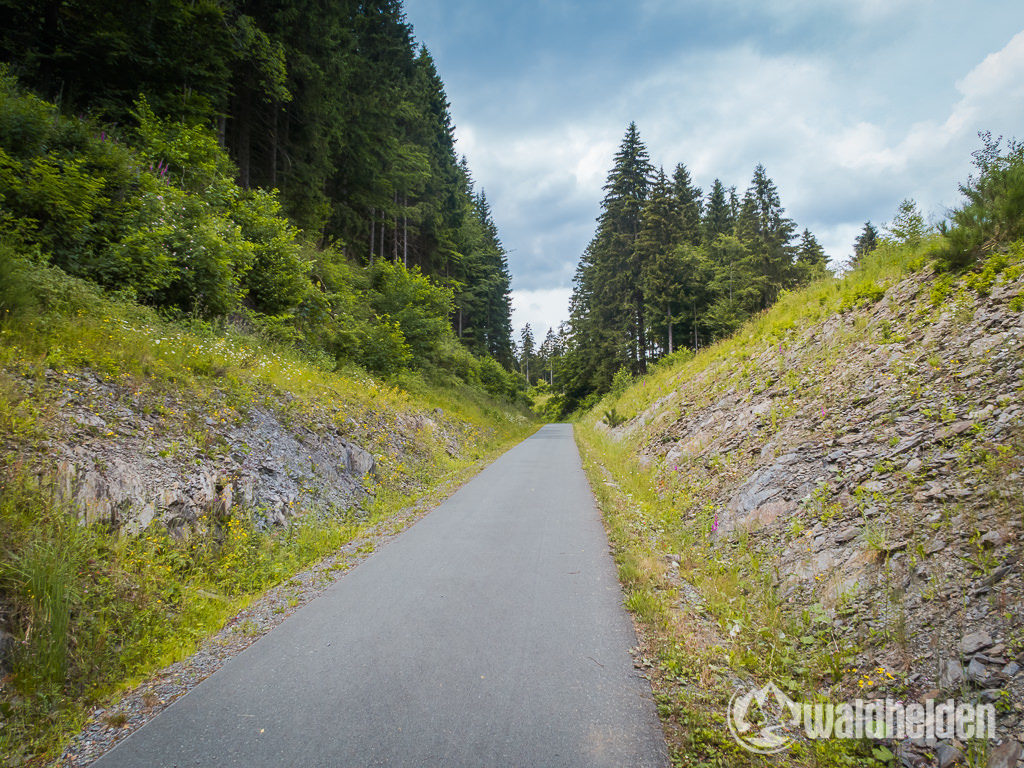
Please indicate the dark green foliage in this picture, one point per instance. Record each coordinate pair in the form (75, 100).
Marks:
(608, 308)
(332, 104)
(811, 261)
(718, 216)
(687, 197)
(664, 269)
(865, 243)
(993, 215)
(156, 213)
(98, 56)
(767, 234)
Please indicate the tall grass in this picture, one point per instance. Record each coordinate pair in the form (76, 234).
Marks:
(92, 611)
(739, 621)
(44, 575)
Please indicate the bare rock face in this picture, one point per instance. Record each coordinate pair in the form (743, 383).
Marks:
(975, 642)
(114, 484)
(129, 462)
(1006, 755)
(873, 460)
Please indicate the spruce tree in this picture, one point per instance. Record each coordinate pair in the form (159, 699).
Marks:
(527, 348)
(907, 226)
(766, 232)
(687, 197)
(656, 244)
(718, 217)
(865, 243)
(811, 262)
(619, 265)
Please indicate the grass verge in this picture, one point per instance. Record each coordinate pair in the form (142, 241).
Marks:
(91, 611)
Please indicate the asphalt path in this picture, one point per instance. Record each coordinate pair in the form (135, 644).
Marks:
(491, 633)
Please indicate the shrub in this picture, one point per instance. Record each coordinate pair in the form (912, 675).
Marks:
(495, 379)
(419, 307)
(993, 215)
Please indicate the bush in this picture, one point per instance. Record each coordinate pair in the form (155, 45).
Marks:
(495, 379)
(164, 217)
(156, 214)
(419, 307)
(621, 381)
(993, 216)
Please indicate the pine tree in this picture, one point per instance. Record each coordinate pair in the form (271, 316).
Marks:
(688, 200)
(907, 227)
(811, 262)
(865, 243)
(718, 215)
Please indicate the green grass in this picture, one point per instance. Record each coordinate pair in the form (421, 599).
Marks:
(93, 611)
(742, 624)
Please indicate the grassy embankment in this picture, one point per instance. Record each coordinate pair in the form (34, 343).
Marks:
(720, 619)
(95, 612)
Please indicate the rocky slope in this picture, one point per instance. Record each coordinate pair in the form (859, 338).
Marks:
(125, 452)
(872, 459)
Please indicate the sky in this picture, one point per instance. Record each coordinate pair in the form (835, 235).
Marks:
(851, 106)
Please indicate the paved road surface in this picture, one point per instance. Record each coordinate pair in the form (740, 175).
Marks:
(491, 633)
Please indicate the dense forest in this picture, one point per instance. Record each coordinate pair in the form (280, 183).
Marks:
(670, 268)
(286, 165)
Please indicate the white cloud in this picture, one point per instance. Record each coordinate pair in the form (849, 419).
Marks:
(844, 134)
(542, 309)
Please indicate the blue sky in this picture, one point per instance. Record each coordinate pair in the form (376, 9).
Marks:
(851, 105)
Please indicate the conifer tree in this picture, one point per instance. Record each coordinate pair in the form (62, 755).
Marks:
(687, 197)
(907, 226)
(811, 262)
(766, 233)
(660, 232)
(865, 243)
(718, 218)
(527, 348)
(699, 269)
(619, 262)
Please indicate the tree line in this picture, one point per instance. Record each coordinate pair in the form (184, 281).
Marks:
(332, 110)
(672, 267)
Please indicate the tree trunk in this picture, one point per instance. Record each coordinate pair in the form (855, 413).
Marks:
(373, 231)
(695, 326)
(641, 334)
(243, 137)
(405, 231)
(670, 331)
(275, 139)
(394, 233)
